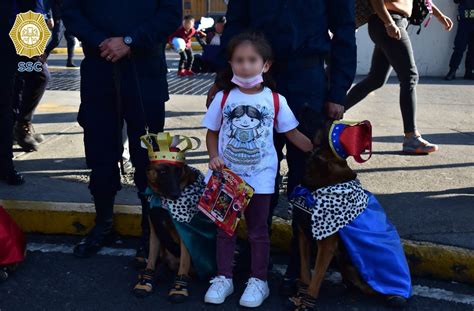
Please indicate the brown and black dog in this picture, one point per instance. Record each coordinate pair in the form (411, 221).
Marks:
(324, 169)
(167, 181)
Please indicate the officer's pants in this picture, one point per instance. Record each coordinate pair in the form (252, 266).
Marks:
(464, 33)
(28, 91)
(101, 115)
(7, 75)
(305, 90)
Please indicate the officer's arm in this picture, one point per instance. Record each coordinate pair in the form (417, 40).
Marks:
(77, 24)
(159, 27)
(238, 20)
(33, 5)
(343, 57)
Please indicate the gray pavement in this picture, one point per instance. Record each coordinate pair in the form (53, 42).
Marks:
(428, 198)
(58, 281)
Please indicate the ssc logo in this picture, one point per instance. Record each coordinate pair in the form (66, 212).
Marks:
(30, 34)
(30, 66)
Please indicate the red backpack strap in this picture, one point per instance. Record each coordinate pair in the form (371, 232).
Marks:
(224, 98)
(276, 105)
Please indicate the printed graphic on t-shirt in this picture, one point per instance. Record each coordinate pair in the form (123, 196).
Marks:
(247, 128)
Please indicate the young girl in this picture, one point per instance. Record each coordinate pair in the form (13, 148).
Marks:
(240, 123)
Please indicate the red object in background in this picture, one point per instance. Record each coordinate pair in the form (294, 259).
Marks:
(224, 200)
(12, 240)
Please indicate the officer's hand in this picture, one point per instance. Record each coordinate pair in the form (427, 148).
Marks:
(113, 49)
(50, 23)
(334, 111)
(210, 94)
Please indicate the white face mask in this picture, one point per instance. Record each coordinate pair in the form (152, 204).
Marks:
(247, 83)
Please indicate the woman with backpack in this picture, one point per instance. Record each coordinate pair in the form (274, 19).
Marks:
(388, 30)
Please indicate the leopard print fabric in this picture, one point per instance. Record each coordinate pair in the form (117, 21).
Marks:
(185, 208)
(333, 207)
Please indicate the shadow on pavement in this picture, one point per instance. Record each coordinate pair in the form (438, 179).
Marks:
(454, 138)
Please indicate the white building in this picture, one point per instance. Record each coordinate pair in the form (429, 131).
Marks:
(432, 47)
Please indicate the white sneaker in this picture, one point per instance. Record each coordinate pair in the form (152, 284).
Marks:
(220, 289)
(255, 293)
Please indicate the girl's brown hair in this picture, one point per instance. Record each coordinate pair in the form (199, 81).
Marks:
(262, 47)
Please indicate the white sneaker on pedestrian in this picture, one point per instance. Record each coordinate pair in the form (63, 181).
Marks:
(255, 293)
(220, 289)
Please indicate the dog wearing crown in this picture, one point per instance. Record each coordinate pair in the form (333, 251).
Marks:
(347, 222)
(178, 229)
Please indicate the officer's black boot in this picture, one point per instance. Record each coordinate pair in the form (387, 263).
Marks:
(9, 175)
(23, 133)
(102, 234)
(469, 75)
(141, 255)
(451, 75)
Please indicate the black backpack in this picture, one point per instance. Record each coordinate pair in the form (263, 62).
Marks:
(421, 10)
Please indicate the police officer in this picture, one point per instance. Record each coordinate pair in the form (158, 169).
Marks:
(464, 35)
(123, 77)
(298, 32)
(8, 11)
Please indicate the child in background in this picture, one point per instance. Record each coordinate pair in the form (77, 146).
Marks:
(240, 123)
(186, 32)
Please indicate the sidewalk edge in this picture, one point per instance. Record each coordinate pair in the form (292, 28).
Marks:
(425, 259)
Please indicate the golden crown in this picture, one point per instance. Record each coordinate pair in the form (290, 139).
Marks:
(164, 148)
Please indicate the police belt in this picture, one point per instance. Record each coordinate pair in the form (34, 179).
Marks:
(468, 14)
(298, 63)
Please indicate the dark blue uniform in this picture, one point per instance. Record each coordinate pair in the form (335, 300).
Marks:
(298, 33)
(464, 37)
(133, 89)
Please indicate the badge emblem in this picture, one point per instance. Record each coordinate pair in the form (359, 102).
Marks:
(30, 34)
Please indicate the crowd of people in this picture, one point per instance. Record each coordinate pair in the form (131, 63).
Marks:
(123, 79)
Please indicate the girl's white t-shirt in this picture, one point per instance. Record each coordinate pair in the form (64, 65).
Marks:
(245, 126)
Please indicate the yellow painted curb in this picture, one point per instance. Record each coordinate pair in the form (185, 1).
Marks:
(64, 51)
(425, 259)
(195, 45)
(69, 218)
(440, 261)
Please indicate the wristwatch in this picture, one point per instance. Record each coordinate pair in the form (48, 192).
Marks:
(127, 40)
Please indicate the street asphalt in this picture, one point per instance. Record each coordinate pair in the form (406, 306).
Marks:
(57, 281)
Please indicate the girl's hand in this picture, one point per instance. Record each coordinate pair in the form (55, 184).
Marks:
(393, 31)
(446, 22)
(216, 163)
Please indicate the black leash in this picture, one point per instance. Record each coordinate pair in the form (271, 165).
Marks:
(119, 114)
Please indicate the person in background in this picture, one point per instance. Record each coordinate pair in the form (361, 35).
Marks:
(53, 9)
(214, 34)
(207, 62)
(464, 39)
(186, 32)
(28, 91)
(8, 11)
(388, 30)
